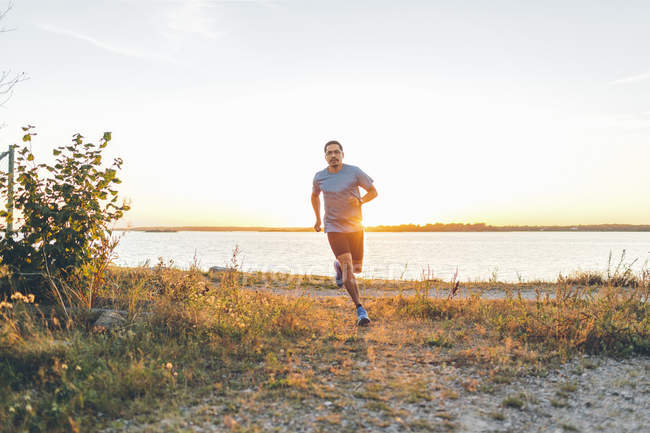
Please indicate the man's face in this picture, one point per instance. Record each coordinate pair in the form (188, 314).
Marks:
(333, 155)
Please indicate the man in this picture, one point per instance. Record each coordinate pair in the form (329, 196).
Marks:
(340, 186)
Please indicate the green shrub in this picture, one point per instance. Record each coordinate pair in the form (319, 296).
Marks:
(65, 214)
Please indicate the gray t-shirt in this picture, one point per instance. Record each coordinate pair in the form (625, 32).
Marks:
(340, 214)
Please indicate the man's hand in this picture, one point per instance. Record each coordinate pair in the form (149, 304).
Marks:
(315, 203)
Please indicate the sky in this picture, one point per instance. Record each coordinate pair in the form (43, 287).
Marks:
(503, 112)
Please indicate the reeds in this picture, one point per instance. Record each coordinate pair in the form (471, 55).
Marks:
(619, 275)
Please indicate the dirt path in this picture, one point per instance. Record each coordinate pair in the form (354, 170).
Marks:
(388, 292)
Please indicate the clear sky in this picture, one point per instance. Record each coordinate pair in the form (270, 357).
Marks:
(504, 112)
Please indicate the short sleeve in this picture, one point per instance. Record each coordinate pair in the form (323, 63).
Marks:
(315, 189)
(363, 179)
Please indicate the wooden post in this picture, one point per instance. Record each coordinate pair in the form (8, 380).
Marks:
(10, 189)
(10, 193)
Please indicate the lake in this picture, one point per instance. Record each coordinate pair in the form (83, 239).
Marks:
(511, 256)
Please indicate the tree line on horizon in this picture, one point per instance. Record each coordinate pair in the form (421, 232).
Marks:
(436, 227)
(482, 227)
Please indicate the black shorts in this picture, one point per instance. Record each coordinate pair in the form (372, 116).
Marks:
(347, 242)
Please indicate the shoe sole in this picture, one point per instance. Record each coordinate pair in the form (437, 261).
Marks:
(363, 322)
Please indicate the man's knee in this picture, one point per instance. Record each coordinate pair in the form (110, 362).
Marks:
(350, 281)
(345, 260)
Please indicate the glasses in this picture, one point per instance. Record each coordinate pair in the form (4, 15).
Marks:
(333, 152)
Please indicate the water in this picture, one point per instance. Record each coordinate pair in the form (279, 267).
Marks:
(511, 256)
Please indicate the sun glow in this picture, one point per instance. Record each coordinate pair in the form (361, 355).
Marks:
(454, 121)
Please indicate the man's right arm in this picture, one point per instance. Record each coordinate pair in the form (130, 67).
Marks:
(315, 203)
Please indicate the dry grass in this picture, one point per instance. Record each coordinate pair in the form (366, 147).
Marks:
(189, 335)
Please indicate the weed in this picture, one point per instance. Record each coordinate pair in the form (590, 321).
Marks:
(449, 394)
(514, 401)
(439, 341)
(559, 402)
(331, 419)
(499, 416)
(494, 275)
(445, 415)
(414, 391)
(380, 406)
(369, 395)
(619, 275)
(589, 364)
(501, 379)
(568, 387)
(422, 425)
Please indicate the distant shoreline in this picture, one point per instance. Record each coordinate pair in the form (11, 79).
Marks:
(409, 228)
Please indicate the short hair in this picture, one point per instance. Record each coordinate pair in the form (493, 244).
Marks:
(332, 142)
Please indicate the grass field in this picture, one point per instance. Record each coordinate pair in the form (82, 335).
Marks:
(190, 337)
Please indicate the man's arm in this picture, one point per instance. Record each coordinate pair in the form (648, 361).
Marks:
(370, 195)
(315, 203)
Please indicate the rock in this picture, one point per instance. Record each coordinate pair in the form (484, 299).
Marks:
(108, 320)
(218, 269)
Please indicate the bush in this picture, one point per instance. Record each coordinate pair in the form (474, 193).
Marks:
(65, 215)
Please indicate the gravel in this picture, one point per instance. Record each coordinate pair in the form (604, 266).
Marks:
(587, 394)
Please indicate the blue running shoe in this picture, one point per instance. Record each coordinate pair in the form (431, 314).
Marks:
(362, 316)
(339, 274)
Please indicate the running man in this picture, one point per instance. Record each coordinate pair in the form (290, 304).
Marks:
(340, 186)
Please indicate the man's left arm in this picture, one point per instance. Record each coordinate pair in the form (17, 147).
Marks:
(366, 182)
(370, 195)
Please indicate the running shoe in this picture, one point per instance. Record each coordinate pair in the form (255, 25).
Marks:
(362, 316)
(339, 274)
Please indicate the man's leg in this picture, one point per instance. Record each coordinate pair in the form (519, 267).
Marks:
(355, 240)
(350, 283)
(340, 243)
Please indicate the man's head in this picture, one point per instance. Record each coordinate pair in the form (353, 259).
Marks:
(334, 153)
